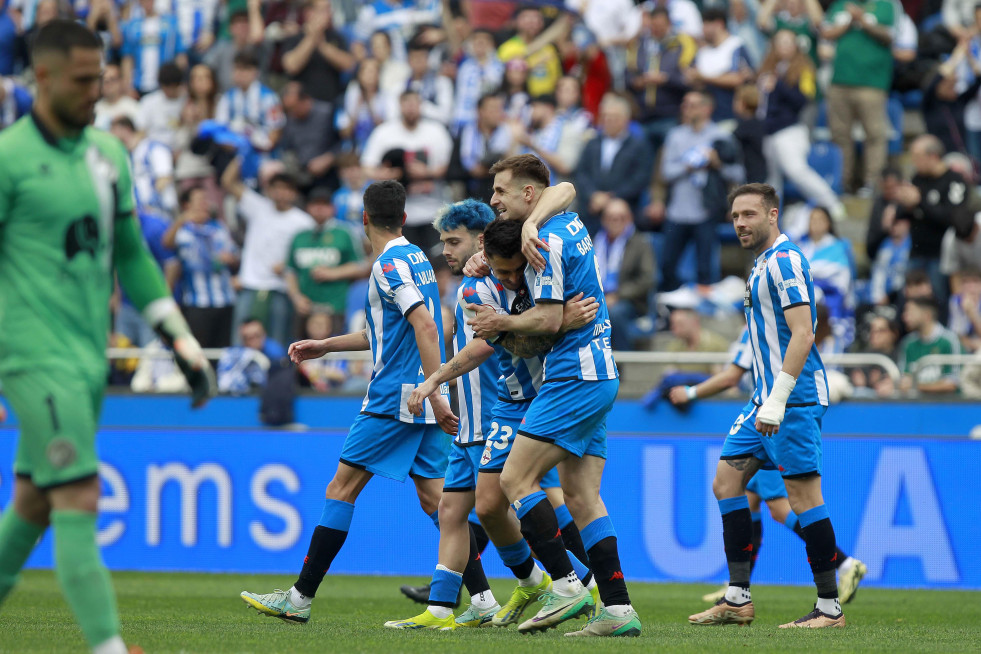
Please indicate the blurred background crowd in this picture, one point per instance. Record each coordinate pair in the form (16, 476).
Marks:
(254, 127)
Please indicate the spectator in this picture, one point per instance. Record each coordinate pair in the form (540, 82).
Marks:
(244, 368)
(885, 209)
(201, 273)
(742, 23)
(972, 112)
(393, 73)
(802, 17)
(536, 47)
(195, 20)
(149, 40)
(547, 138)
(416, 150)
(690, 336)
(271, 223)
(309, 140)
(936, 199)
(250, 108)
(322, 374)
(787, 83)
(965, 310)
(480, 73)
(153, 168)
(656, 65)
(8, 38)
(830, 258)
(926, 336)
(202, 100)
(614, 164)
(626, 267)
(721, 65)
(366, 106)
(221, 57)
(958, 18)
(114, 102)
(883, 337)
(348, 199)
(15, 101)
(322, 263)
(514, 88)
(750, 132)
(44, 12)
(697, 163)
(397, 18)
(961, 248)
(614, 24)
(945, 101)
(160, 111)
(319, 56)
(861, 78)
(685, 16)
(568, 98)
(481, 144)
(889, 266)
(435, 91)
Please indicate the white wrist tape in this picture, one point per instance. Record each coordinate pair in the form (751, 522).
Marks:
(692, 392)
(783, 386)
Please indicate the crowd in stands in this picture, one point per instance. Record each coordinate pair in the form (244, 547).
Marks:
(255, 125)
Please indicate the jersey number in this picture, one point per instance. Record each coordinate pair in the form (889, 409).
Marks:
(50, 401)
(506, 433)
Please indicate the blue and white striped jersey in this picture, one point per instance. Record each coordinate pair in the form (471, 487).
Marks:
(781, 279)
(402, 279)
(742, 351)
(205, 281)
(195, 18)
(479, 386)
(570, 268)
(151, 42)
(254, 113)
(153, 161)
(519, 378)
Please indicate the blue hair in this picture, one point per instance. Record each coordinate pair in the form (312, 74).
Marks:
(471, 214)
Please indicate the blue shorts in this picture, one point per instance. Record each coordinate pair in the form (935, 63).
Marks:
(507, 419)
(768, 484)
(795, 450)
(461, 472)
(572, 415)
(393, 449)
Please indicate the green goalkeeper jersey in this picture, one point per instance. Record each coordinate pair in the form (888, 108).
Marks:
(59, 203)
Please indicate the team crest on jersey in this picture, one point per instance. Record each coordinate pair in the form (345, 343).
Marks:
(82, 236)
(486, 456)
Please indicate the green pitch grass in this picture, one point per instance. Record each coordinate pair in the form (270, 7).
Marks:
(202, 613)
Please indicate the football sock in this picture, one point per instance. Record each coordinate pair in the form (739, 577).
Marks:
(298, 599)
(518, 558)
(83, 577)
(473, 575)
(737, 534)
(600, 540)
(17, 540)
(540, 528)
(481, 534)
(842, 560)
(483, 601)
(327, 540)
(757, 538)
(573, 543)
(563, 516)
(445, 588)
(819, 539)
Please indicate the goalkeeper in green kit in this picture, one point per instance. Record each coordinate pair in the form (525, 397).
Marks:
(66, 224)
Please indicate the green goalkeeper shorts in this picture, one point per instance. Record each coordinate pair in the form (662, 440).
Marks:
(58, 411)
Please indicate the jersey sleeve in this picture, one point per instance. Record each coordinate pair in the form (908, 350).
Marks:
(479, 292)
(788, 272)
(394, 279)
(6, 193)
(550, 283)
(742, 351)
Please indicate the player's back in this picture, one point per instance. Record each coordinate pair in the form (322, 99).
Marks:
(59, 200)
(585, 353)
(480, 385)
(402, 281)
(780, 280)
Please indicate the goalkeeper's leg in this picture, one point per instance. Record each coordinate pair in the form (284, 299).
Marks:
(21, 525)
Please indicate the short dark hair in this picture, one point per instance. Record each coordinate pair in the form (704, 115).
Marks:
(170, 74)
(916, 277)
(238, 15)
(969, 272)
(488, 96)
(714, 14)
(246, 58)
(927, 303)
(827, 214)
(283, 178)
(546, 98)
(123, 121)
(502, 238)
(384, 203)
(892, 171)
(767, 194)
(406, 93)
(525, 167)
(660, 11)
(61, 35)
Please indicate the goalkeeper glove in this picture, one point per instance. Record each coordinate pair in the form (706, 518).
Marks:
(773, 409)
(166, 319)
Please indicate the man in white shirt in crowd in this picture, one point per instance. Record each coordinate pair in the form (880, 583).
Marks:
(160, 111)
(114, 102)
(415, 151)
(271, 222)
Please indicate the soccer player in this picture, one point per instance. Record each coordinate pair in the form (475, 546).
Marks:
(788, 403)
(405, 336)
(566, 422)
(66, 224)
(766, 485)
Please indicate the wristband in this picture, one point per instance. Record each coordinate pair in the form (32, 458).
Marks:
(692, 392)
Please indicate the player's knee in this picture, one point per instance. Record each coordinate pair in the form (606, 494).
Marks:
(78, 496)
(724, 488)
(451, 511)
(512, 485)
